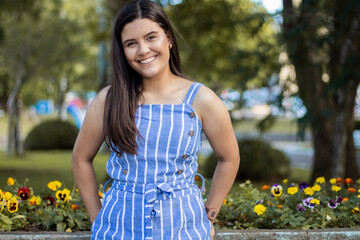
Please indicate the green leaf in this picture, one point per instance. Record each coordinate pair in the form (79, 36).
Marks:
(60, 227)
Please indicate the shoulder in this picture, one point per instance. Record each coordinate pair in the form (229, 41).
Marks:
(99, 100)
(206, 103)
(206, 97)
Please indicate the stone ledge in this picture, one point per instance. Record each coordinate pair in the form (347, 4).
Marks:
(260, 234)
(284, 234)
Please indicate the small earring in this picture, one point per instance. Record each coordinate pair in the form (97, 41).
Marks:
(170, 46)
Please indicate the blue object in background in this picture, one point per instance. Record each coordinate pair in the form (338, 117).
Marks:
(44, 107)
(77, 114)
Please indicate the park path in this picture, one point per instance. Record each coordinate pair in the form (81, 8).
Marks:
(300, 153)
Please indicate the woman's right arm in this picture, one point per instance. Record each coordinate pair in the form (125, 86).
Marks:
(88, 143)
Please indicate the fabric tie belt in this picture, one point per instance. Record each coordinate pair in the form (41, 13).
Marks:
(155, 191)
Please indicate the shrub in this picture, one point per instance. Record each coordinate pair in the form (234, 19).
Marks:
(258, 161)
(52, 134)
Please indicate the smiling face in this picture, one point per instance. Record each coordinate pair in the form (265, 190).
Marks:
(146, 48)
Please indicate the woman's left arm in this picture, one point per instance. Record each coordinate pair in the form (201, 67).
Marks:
(220, 134)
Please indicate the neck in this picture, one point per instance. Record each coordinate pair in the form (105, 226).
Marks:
(158, 84)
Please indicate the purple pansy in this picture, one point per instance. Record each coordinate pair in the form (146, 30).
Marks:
(303, 185)
(307, 202)
(339, 199)
(332, 203)
(300, 208)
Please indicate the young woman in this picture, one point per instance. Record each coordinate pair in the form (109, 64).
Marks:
(152, 118)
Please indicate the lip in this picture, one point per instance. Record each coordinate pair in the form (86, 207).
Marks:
(147, 62)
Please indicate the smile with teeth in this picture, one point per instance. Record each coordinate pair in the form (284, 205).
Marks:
(147, 60)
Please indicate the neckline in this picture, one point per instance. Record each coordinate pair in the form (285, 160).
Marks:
(161, 104)
(173, 104)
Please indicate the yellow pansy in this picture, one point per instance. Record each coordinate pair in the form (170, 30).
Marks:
(34, 200)
(285, 181)
(333, 181)
(335, 188)
(316, 188)
(13, 205)
(54, 185)
(308, 191)
(292, 190)
(315, 201)
(276, 190)
(63, 195)
(2, 200)
(10, 181)
(259, 209)
(7, 196)
(320, 180)
(356, 210)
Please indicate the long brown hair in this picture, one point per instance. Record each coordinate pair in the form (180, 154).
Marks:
(125, 91)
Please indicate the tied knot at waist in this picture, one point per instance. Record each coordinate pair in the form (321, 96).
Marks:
(152, 190)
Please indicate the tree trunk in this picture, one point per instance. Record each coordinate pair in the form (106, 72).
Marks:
(14, 143)
(323, 147)
(330, 103)
(344, 51)
(351, 166)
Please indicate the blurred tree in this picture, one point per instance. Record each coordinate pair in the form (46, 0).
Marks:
(226, 43)
(47, 41)
(323, 43)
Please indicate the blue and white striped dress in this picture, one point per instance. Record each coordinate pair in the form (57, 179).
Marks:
(153, 195)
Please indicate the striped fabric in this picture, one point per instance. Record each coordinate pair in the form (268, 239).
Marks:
(153, 195)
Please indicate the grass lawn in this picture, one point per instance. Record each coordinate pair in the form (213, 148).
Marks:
(41, 167)
(281, 126)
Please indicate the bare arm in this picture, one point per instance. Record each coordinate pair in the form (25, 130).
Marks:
(88, 143)
(218, 130)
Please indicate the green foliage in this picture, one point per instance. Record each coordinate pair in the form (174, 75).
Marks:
(48, 212)
(227, 43)
(32, 49)
(258, 160)
(238, 210)
(52, 134)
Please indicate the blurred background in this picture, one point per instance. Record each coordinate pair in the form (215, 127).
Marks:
(287, 70)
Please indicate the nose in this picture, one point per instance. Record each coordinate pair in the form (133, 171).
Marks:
(143, 49)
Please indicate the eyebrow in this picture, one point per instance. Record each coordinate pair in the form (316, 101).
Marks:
(129, 40)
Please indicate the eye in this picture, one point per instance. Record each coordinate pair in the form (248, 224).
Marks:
(151, 37)
(130, 44)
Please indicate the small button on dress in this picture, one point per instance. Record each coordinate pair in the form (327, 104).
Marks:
(153, 193)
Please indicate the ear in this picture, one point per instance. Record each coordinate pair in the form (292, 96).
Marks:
(169, 37)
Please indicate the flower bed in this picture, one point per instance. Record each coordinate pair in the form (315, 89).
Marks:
(326, 204)
(332, 204)
(56, 209)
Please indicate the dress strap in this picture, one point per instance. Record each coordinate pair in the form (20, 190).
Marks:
(192, 92)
